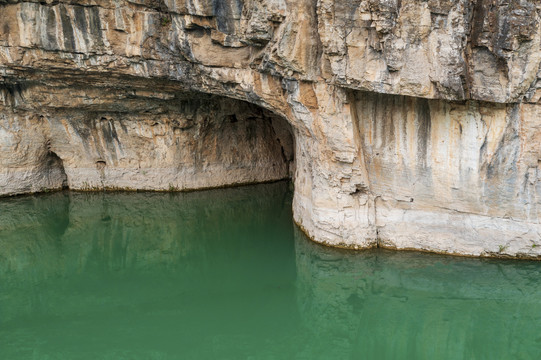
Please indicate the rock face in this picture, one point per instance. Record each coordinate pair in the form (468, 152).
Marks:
(403, 123)
(171, 141)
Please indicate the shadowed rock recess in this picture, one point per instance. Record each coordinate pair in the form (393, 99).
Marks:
(403, 123)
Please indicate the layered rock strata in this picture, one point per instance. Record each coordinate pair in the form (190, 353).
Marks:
(404, 124)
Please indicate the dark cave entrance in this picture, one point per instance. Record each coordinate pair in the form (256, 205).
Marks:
(218, 141)
(252, 138)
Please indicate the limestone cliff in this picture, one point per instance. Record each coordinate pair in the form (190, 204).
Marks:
(404, 123)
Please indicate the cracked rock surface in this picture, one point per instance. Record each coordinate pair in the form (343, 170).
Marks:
(403, 123)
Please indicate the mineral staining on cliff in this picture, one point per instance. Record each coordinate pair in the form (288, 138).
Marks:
(408, 124)
(465, 171)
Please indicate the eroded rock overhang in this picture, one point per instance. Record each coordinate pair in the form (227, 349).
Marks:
(415, 124)
(125, 136)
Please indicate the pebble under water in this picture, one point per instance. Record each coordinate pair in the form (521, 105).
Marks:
(224, 274)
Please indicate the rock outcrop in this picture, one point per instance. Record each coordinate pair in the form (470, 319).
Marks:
(403, 123)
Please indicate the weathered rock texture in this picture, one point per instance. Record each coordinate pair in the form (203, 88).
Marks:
(408, 124)
(170, 141)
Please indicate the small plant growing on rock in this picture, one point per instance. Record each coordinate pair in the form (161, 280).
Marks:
(502, 248)
(164, 21)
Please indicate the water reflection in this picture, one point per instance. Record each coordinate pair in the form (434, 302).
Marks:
(224, 274)
(402, 305)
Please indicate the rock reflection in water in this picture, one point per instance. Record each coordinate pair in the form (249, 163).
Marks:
(145, 275)
(225, 274)
(381, 304)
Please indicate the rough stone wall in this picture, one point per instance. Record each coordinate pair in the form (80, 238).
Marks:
(449, 49)
(467, 171)
(146, 140)
(308, 62)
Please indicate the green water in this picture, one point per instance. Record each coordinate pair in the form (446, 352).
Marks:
(223, 274)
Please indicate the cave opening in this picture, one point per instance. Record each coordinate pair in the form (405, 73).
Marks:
(243, 142)
(205, 141)
(178, 142)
